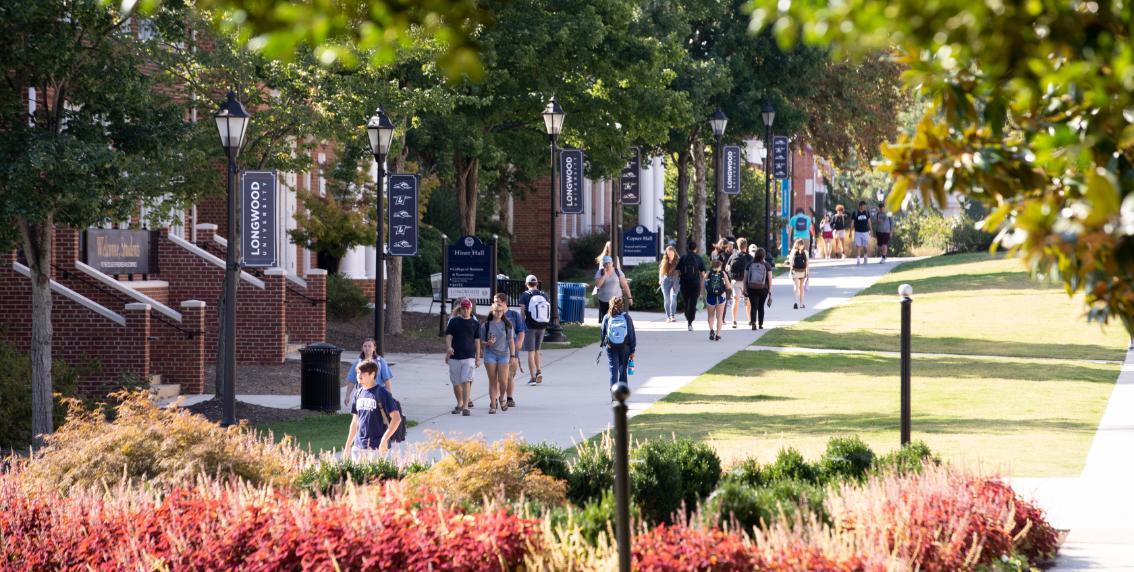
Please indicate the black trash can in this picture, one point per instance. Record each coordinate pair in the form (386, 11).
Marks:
(319, 378)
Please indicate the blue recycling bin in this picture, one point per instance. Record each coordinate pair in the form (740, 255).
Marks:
(572, 300)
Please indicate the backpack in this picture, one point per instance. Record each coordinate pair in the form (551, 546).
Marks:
(738, 265)
(839, 222)
(756, 277)
(539, 309)
(799, 262)
(800, 224)
(399, 433)
(617, 328)
(715, 284)
(689, 271)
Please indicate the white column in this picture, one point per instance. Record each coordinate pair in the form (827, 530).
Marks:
(601, 207)
(645, 196)
(290, 250)
(657, 170)
(353, 264)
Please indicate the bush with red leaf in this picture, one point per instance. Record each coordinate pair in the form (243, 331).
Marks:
(232, 528)
(679, 549)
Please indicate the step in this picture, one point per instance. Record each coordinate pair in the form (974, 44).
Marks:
(163, 391)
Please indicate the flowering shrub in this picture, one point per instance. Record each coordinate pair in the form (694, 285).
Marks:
(472, 471)
(162, 447)
(215, 527)
(679, 548)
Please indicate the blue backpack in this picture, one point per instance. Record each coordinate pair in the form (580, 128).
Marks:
(616, 330)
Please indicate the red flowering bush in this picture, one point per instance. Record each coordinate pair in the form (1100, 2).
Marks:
(679, 548)
(212, 527)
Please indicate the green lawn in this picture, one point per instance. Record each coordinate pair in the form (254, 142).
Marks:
(317, 433)
(1012, 414)
(580, 335)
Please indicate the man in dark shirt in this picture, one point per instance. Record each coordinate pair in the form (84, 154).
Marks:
(861, 220)
(370, 433)
(691, 272)
(462, 354)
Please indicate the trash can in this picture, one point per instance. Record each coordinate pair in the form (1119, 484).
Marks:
(572, 299)
(319, 377)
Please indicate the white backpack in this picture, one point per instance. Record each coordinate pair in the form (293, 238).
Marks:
(539, 309)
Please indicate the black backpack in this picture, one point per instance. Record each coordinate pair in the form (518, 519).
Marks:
(689, 270)
(799, 262)
(800, 224)
(738, 264)
(839, 222)
(399, 433)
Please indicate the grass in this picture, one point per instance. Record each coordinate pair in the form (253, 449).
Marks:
(581, 335)
(1013, 414)
(317, 433)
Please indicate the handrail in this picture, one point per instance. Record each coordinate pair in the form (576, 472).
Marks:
(260, 273)
(121, 297)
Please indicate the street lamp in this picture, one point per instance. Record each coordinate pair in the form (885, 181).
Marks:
(718, 121)
(621, 392)
(380, 130)
(232, 123)
(769, 116)
(553, 121)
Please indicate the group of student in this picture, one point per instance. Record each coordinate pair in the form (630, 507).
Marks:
(833, 231)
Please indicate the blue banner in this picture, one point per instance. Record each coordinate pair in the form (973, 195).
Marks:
(571, 181)
(258, 217)
(731, 171)
(470, 269)
(780, 156)
(629, 184)
(403, 215)
(785, 214)
(639, 246)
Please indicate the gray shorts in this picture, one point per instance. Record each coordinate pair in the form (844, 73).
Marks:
(862, 239)
(533, 339)
(461, 370)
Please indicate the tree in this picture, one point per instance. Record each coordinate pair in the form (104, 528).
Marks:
(91, 151)
(1029, 113)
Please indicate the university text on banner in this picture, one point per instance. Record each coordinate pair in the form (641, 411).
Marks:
(731, 169)
(258, 241)
(571, 181)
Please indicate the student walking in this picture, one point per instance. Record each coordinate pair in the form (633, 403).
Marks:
(826, 234)
(375, 416)
(839, 224)
(610, 282)
(618, 337)
(668, 279)
(691, 272)
(883, 224)
(736, 267)
(536, 308)
(800, 271)
(758, 286)
(462, 354)
(369, 353)
(717, 288)
(861, 233)
(801, 229)
(519, 331)
(499, 350)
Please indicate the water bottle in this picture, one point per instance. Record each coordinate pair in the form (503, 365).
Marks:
(630, 367)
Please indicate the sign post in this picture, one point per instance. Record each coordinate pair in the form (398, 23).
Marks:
(403, 214)
(468, 269)
(571, 177)
(639, 246)
(259, 236)
(731, 169)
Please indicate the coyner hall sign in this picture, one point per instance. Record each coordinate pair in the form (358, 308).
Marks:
(118, 251)
(258, 214)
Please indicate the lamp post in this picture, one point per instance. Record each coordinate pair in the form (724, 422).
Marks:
(553, 120)
(718, 121)
(621, 392)
(906, 293)
(768, 114)
(232, 123)
(380, 131)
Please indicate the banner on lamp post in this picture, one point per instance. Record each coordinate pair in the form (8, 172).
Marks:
(258, 241)
(731, 172)
(571, 181)
(403, 214)
(630, 186)
(780, 156)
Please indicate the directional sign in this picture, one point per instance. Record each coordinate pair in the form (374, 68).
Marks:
(630, 186)
(403, 201)
(731, 169)
(470, 269)
(571, 181)
(780, 157)
(639, 246)
(258, 239)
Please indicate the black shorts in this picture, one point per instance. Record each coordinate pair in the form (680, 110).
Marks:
(883, 238)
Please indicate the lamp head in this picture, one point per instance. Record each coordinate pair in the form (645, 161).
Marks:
(719, 121)
(553, 118)
(232, 122)
(768, 113)
(380, 131)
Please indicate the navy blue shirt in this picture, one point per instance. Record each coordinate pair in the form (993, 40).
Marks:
(371, 425)
(465, 332)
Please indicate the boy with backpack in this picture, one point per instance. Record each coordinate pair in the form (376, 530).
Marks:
(376, 417)
(691, 273)
(736, 267)
(537, 315)
(618, 337)
(800, 271)
(801, 228)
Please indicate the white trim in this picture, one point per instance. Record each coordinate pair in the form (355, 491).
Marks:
(206, 226)
(208, 257)
(102, 277)
(296, 280)
(275, 271)
(192, 304)
(138, 306)
(220, 240)
(317, 272)
(76, 297)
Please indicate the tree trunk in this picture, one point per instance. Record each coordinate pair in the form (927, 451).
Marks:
(725, 220)
(467, 169)
(699, 189)
(502, 201)
(37, 240)
(682, 200)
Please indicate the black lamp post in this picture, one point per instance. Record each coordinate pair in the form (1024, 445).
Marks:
(621, 392)
(232, 123)
(718, 121)
(769, 116)
(380, 130)
(553, 120)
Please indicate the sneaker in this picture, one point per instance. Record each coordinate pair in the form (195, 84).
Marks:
(803, 305)
(690, 327)
(470, 405)
(539, 376)
(511, 403)
(795, 306)
(712, 336)
(532, 381)
(734, 324)
(761, 327)
(456, 410)
(466, 412)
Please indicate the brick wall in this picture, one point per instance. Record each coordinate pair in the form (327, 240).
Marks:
(307, 316)
(82, 336)
(532, 231)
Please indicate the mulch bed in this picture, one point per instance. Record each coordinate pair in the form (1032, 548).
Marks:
(255, 414)
(420, 335)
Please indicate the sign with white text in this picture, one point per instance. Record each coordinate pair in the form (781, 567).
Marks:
(118, 251)
(571, 181)
(403, 215)
(258, 239)
(470, 269)
(631, 190)
(731, 171)
(639, 246)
